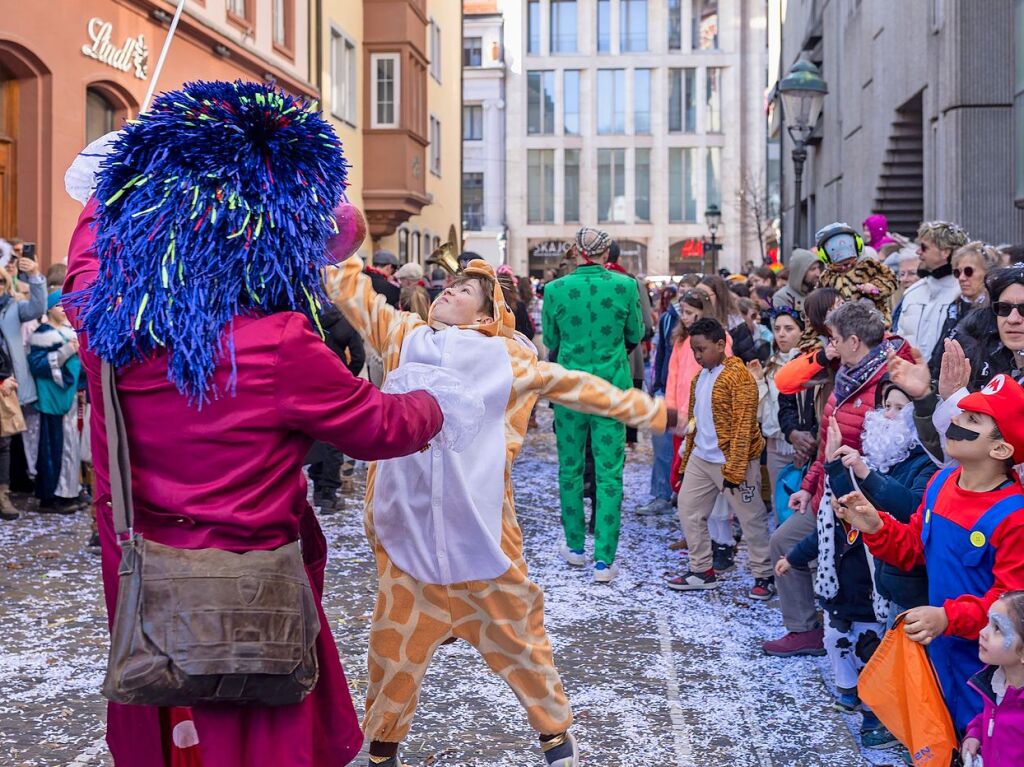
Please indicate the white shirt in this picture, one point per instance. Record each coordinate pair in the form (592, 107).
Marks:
(438, 513)
(925, 307)
(705, 441)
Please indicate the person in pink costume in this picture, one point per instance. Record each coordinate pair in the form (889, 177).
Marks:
(217, 452)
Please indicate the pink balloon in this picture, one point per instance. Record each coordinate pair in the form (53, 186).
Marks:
(351, 232)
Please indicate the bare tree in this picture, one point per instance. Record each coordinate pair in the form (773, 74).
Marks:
(752, 204)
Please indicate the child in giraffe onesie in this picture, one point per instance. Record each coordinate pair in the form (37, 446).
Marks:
(442, 523)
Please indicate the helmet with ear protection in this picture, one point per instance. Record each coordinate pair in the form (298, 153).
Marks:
(830, 232)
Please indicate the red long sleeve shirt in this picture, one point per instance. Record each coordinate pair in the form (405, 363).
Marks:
(900, 545)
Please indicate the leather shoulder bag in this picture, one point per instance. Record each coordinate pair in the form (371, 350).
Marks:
(203, 626)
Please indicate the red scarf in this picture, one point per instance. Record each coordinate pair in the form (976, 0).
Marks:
(616, 268)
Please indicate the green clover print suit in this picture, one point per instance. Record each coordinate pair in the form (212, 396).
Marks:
(589, 316)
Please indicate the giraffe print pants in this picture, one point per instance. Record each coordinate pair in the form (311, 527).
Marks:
(502, 618)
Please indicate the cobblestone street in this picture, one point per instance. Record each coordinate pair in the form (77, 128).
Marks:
(655, 676)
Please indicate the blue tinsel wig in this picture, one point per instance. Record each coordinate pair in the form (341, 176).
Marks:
(217, 202)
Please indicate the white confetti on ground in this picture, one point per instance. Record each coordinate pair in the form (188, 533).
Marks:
(655, 677)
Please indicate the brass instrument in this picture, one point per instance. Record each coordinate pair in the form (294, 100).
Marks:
(446, 255)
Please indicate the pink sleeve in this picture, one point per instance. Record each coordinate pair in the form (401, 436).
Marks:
(82, 262)
(318, 396)
(974, 727)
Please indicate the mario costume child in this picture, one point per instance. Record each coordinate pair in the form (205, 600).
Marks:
(968, 532)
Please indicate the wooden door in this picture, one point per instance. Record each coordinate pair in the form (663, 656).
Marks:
(8, 153)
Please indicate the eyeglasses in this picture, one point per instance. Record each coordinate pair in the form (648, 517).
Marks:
(967, 271)
(1005, 309)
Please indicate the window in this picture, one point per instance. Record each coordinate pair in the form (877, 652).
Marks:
(414, 251)
(572, 186)
(643, 184)
(571, 102)
(343, 77)
(642, 102)
(713, 101)
(533, 22)
(403, 245)
(99, 115)
(604, 26)
(540, 176)
(1018, 102)
(387, 79)
(238, 8)
(611, 185)
(473, 201)
(563, 26)
(611, 106)
(682, 108)
(284, 23)
(682, 186)
(540, 103)
(435, 146)
(435, 50)
(705, 25)
(675, 25)
(714, 176)
(632, 25)
(472, 52)
(473, 122)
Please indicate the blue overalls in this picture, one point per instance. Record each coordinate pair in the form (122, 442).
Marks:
(959, 562)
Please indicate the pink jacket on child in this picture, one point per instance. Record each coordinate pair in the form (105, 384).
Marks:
(999, 727)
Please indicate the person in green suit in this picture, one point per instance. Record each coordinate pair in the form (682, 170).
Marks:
(592, 318)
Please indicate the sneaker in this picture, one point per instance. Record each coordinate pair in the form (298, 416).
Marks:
(94, 542)
(565, 754)
(58, 506)
(878, 737)
(847, 703)
(763, 589)
(605, 573)
(723, 558)
(393, 761)
(691, 581)
(797, 643)
(656, 507)
(327, 503)
(573, 556)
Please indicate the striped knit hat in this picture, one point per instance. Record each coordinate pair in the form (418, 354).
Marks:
(592, 242)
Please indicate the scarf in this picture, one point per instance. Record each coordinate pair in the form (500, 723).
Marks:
(850, 379)
(943, 271)
(616, 268)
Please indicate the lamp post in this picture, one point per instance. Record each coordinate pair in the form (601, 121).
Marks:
(713, 218)
(803, 95)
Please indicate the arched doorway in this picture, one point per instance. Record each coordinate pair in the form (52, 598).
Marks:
(8, 152)
(26, 162)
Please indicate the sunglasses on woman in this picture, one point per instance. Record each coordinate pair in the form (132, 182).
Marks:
(1005, 308)
(967, 271)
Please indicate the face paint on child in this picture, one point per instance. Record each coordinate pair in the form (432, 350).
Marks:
(1005, 627)
(956, 432)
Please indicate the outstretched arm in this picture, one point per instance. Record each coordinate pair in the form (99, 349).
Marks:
(586, 393)
(368, 311)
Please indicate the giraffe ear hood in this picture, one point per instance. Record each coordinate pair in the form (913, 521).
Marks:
(504, 323)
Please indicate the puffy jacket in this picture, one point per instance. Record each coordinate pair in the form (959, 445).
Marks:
(850, 415)
(925, 307)
(899, 492)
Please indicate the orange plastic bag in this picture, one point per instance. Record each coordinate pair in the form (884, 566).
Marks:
(900, 686)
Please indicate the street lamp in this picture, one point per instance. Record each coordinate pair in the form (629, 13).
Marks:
(713, 218)
(803, 95)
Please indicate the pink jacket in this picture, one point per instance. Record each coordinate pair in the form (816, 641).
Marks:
(1000, 728)
(230, 476)
(682, 370)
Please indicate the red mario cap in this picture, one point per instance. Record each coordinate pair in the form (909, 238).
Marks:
(1003, 400)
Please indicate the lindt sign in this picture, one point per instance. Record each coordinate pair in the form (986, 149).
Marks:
(133, 55)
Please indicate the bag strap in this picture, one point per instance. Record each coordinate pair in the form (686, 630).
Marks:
(120, 466)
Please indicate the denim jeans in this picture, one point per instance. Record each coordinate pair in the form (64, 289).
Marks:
(661, 486)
